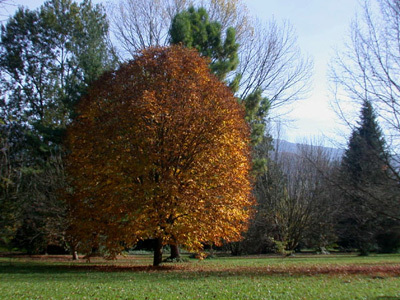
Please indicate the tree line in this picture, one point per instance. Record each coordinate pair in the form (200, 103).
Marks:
(100, 152)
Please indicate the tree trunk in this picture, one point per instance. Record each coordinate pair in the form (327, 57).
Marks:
(158, 247)
(211, 250)
(74, 253)
(175, 254)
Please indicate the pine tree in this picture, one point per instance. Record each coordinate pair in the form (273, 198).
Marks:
(193, 29)
(364, 173)
(366, 157)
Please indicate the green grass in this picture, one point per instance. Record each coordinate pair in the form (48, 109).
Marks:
(302, 277)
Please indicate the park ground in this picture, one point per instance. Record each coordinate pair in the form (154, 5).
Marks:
(256, 277)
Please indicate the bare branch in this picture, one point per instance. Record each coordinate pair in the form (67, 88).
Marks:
(271, 60)
(369, 68)
(269, 56)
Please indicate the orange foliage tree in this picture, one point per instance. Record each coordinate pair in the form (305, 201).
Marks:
(160, 149)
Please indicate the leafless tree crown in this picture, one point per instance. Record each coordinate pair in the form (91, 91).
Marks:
(369, 67)
(270, 58)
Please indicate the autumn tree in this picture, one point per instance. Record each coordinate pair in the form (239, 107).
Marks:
(194, 29)
(262, 61)
(160, 150)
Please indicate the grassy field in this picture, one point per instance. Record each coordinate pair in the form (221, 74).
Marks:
(299, 277)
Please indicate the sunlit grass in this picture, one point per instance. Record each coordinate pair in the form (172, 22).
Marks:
(316, 277)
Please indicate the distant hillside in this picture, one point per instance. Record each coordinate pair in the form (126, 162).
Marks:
(295, 148)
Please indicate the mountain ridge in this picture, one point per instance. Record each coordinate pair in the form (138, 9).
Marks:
(285, 146)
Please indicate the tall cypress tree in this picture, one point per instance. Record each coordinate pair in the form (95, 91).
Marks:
(364, 172)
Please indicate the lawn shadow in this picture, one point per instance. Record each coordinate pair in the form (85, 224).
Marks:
(191, 270)
(30, 268)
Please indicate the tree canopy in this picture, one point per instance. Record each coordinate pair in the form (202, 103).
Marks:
(160, 150)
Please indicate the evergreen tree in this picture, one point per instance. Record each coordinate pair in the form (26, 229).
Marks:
(257, 108)
(364, 173)
(48, 58)
(366, 157)
(193, 29)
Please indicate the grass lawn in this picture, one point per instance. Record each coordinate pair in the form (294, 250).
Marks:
(299, 277)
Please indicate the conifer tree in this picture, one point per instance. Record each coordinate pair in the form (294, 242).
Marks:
(364, 173)
(365, 159)
(193, 29)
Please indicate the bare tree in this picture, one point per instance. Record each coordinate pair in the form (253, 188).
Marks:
(230, 13)
(369, 67)
(309, 206)
(137, 24)
(294, 201)
(270, 59)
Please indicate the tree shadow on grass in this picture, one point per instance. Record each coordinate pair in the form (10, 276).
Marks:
(188, 270)
(30, 268)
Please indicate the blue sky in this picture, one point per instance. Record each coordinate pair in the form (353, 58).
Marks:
(321, 26)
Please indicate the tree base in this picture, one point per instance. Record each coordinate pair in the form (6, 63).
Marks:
(175, 260)
(158, 252)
